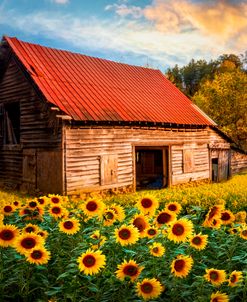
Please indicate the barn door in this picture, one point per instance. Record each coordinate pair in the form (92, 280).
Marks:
(224, 164)
(108, 169)
(29, 168)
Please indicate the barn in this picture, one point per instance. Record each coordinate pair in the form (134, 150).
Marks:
(71, 123)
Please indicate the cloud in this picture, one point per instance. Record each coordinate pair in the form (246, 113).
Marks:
(60, 1)
(124, 10)
(136, 39)
(224, 20)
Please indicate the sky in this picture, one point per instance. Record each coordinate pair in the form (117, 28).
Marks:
(154, 33)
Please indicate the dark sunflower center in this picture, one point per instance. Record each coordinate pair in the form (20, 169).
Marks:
(244, 232)
(215, 300)
(124, 234)
(146, 202)
(36, 254)
(163, 218)
(109, 215)
(55, 200)
(172, 207)
(27, 212)
(233, 278)
(6, 235)
(139, 223)
(68, 225)
(147, 288)
(179, 265)
(130, 270)
(56, 210)
(178, 229)
(89, 261)
(30, 229)
(225, 216)
(16, 203)
(197, 240)
(42, 234)
(41, 200)
(214, 276)
(28, 243)
(151, 232)
(7, 209)
(32, 204)
(156, 250)
(91, 206)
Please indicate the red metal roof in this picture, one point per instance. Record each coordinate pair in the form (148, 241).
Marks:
(93, 89)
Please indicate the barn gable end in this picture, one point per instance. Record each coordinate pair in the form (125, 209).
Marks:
(25, 161)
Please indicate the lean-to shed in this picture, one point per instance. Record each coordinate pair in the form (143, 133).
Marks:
(71, 123)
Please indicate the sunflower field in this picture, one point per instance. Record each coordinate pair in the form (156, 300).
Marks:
(180, 244)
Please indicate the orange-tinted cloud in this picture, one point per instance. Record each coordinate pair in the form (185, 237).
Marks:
(225, 20)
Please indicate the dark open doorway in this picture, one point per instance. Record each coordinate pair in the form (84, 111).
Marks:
(151, 167)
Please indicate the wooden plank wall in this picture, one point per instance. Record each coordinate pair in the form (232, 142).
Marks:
(238, 162)
(85, 146)
(38, 132)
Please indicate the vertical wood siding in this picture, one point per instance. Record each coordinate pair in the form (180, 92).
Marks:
(38, 131)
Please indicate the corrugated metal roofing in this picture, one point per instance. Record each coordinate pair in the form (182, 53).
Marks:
(93, 89)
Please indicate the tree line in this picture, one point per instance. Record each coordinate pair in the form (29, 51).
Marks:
(219, 88)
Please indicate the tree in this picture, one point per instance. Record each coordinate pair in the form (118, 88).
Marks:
(224, 99)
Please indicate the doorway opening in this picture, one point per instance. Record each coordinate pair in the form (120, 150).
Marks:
(215, 169)
(151, 167)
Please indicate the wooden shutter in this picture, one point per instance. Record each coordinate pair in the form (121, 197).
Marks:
(188, 160)
(108, 169)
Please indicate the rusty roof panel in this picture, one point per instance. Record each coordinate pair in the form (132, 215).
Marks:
(93, 89)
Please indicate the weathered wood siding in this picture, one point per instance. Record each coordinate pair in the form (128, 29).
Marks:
(86, 146)
(38, 133)
(238, 162)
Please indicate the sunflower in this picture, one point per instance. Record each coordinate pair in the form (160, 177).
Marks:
(99, 238)
(8, 234)
(119, 211)
(42, 201)
(141, 223)
(165, 217)
(240, 217)
(180, 230)
(93, 207)
(69, 226)
(199, 241)
(147, 205)
(32, 204)
(243, 233)
(227, 217)
(157, 249)
(215, 276)
(214, 212)
(57, 211)
(8, 210)
(126, 235)
(38, 256)
(42, 233)
(213, 223)
(235, 278)
(174, 207)
(109, 217)
(219, 297)
(31, 228)
(149, 288)
(151, 232)
(91, 262)
(26, 242)
(128, 269)
(181, 266)
(55, 199)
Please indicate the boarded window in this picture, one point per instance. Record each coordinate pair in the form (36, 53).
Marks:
(188, 161)
(108, 169)
(10, 123)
